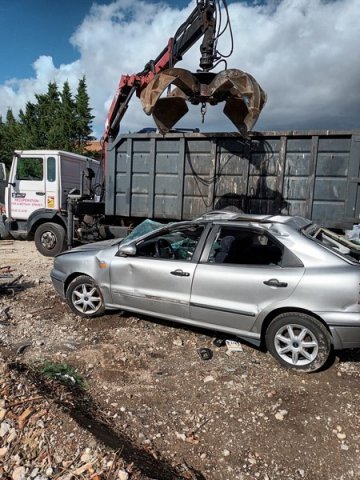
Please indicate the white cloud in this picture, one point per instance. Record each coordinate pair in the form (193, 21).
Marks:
(302, 52)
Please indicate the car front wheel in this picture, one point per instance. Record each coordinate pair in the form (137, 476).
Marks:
(299, 341)
(84, 297)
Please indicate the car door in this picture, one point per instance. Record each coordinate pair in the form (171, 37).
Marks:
(158, 278)
(241, 273)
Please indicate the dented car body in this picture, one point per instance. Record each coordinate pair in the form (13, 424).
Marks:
(263, 278)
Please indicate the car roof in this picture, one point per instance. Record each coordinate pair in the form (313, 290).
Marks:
(222, 216)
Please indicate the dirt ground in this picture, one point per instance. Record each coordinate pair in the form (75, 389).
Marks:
(166, 412)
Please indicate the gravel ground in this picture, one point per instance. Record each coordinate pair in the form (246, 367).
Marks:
(151, 399)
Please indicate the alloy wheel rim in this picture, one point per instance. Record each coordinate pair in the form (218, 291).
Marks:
(86, 298)
(296, 345)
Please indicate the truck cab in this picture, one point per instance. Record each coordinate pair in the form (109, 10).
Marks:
(36, 196)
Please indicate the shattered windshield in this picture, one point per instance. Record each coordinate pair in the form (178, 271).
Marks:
(336, 242)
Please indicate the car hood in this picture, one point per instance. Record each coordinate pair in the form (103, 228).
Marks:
(93, 247)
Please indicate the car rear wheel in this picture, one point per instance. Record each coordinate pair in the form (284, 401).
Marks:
(299, 341)
(84, 297)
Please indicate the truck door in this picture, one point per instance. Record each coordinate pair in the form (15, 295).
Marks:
(52, 183)
(27, 189)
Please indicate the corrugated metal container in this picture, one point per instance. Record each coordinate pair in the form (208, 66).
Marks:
(314, 174)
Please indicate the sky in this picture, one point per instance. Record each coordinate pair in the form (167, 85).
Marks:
(302, 52)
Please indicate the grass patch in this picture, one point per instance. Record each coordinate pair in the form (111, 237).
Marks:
(62, 372)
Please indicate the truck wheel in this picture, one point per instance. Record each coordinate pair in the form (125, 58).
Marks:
(84, 297)
(50, 239)
(299, 341)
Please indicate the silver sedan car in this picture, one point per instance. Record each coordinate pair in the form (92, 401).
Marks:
(266, 279)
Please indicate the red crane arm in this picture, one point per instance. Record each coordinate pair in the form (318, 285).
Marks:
(201, 22)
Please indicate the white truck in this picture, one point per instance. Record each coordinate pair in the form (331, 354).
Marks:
(36, 195)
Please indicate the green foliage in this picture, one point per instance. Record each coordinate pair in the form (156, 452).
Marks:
(62, 372)
(83, 116)
(54, 121)
(10, 133)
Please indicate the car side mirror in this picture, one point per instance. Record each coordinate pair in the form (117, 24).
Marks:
(127, 250)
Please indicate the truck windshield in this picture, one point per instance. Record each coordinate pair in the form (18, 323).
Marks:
(334, 242)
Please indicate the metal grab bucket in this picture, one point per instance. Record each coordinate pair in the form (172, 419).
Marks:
(243, 96)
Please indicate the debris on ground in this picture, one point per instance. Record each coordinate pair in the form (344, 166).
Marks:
(8, 284)
(205, 353)
(233, 346)
(151, 408)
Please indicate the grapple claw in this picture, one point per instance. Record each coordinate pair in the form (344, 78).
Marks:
(243, 96)
(168, 110)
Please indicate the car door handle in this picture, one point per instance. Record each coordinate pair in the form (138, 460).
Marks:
(40, 193)
(180, 273)
(274, 282)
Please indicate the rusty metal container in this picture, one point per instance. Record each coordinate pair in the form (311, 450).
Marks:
(310, 173)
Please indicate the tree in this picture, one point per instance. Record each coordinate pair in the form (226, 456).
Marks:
(2, 125)
(67, 133)
(54, 121)
(83, 116)
(49, 117)
(11, 134)
(30, 126)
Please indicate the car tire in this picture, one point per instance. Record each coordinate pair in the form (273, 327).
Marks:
(84, 297)
(50, 239)
(299, 341)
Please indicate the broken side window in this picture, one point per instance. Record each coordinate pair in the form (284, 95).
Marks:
(175, 244)
(241, 246)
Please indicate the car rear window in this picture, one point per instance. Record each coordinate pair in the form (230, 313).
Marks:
(333, 241)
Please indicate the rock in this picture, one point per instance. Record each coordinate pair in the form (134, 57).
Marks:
(49, 471)
(34, 472)
(178, 342)
(345, 447)
(3, 451)
(280, 415)
(209, 378)
(11, 437)
(226, 452)
(85, 457)
(341, 436)
(122, 475)
(19, 473)
(180, 436)
(2, 414)
(4, 429)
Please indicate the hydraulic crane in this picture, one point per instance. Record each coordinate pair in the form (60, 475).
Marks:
(241, 93)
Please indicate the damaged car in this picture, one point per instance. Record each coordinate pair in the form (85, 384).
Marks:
(269, 280)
